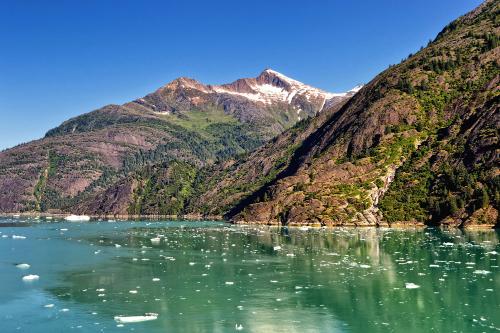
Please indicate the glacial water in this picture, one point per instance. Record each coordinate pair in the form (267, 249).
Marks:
(215, 277)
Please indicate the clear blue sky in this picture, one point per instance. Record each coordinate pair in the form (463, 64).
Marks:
(59, 59)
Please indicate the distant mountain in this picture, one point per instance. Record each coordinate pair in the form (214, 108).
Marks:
(183, 122)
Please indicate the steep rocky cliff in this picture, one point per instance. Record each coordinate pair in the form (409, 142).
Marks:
(418, 144)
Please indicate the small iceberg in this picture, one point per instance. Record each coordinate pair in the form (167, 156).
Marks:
(410, 285)
(31, 277)
(74, 218)
(18, 237)
(23, 266)
(136, 319)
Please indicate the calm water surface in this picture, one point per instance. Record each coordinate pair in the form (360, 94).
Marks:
(214, 277)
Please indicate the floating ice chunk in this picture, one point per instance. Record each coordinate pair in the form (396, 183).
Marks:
(136, 319)
(276, 248)
(229, 283)
(410, 285)
(31, 277)
(18, 237)
(23, 266)
(74, 218)
(238, 327)
(156, 279)
(481, 272)
(48, 305)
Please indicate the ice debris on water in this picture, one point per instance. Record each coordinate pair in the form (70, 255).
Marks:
(136, 319)
(481, 272)
(18, 237)
(31, 277)
(410, 285)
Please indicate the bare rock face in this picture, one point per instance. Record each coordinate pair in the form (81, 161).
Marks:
(415, 145)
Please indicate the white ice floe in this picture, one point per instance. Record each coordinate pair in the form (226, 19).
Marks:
(410, 285)
(23, 266)
(31, 277)
(18, 237)
(136, 319)
(74, 218)
(481, 272)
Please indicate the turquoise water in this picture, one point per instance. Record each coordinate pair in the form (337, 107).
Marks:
(214, 277)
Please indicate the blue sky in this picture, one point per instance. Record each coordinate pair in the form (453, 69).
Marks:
(59, 59)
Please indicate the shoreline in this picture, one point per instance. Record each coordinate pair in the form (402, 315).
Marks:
(218, 218)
